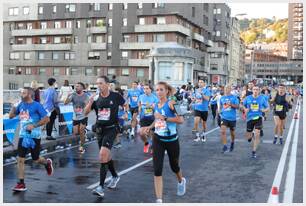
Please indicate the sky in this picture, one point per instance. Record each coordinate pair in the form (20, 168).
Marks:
(258, 10)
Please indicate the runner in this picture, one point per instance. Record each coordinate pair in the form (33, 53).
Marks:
(32, 116)
(227, 109)
(254, 106)
(106, 106)
(146, 105)
(201, 98)
(133, 95)
(79, 100)
(281, 104)
(166, 139)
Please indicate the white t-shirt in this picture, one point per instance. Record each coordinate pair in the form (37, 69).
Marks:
(64, 92)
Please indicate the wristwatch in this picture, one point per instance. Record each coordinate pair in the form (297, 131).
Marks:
(166, 118)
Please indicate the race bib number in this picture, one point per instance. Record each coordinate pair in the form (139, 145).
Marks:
(148, 111)
(79, 111)
(24, 116)
(104, 114)
(160, 126)
(255, 107)
(134, 98)
(279, 108)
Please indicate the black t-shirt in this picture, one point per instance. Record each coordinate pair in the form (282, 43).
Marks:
(107, 108)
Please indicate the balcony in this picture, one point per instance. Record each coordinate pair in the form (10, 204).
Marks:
(140, 45)
(41, 32)
(138, 62)
(218, 49)
(98, 46)
(163, 28)
(97, 30)
(42, 47)
(198, 37)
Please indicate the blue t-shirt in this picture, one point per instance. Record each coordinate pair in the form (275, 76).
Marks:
(147, 105)
(213, 101)
(166, 130)
(50, 97)
(133, 95)
(255, 105)
(30, 113)
(200, 103)
(227, 112)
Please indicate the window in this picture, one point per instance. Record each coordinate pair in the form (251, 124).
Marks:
(57, 25)
(56, 71)
(26, 10)
(13, 86)
(99, 39)
(96, 7)
(126, 38)
(193, 11)
(27, 55)
(78, 24)
(124, 55)
(94, 55)
(110, 22)
(88, 23)
(218, 11)
(110, 7)
(125, 72)
(109, 39)
(57, 40)
(14, 55)
(28, 71)
(13, 11)
(29, 26)
(40, 10)
(55, 55)
(43, 25)
(140, 38)
(69, 55)
(141, 55)
(109, 55)
(89, 72)
(19, 71)
(170, 71)
(75, 71)
(54, 8)
(124, 22)
(158, 38)
(125, 6)
(42, 71)
(140, 73)
(11, 41)
(43, 40)
(100, 23)
(70, 7)
(41, 55)
(67, 71)
(11, 70)
(218, 33)
(141, 21)
(161, 20)
(68, 24)
(76, 39)
(111, 71)
(139, 6)
(88, 39)
(159, 5)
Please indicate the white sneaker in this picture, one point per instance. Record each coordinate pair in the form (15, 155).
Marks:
(197, 139)
(203, 138)
(159, 201)
(113, 182)
(181, 187)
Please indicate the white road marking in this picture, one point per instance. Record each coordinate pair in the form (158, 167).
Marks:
(290, 179)
(281, 165)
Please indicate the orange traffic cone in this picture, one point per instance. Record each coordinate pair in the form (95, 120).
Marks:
(295, 115)
(274, 195)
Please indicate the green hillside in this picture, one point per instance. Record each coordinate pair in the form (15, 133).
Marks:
(252, 30)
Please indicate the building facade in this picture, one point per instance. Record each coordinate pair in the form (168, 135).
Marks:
(79, 41)
(219, 53)
(295, 31)
(241, 72)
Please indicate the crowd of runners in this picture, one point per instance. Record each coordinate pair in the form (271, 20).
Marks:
(154, 113)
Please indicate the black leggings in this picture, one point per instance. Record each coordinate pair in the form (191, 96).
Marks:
(173, 150)
(213, 110)
(49, 126)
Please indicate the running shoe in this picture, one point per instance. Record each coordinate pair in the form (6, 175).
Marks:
(181, 187)
(159, 201)
(275, 140)
(20, 187)
(232, 147)
(99, 191)
(197, 138)
(203, 138)
(49, 167)
(81, 150)
(280, 140)
(193, 130)
(113, 182)
(146, 148)
(225, 149)
(254, 154)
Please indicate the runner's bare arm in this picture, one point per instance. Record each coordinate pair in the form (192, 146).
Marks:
(87, 109)
(12, 113)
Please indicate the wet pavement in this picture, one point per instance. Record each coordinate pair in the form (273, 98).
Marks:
(211, 176)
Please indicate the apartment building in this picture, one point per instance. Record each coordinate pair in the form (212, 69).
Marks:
(79, 41)
(295, 31)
